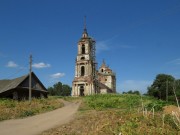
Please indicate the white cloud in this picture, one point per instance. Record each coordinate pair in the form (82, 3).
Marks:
(105, 45)
(54, 78)
(12, 64)
(102, 46)
(140, 85)
(176, 61)
(41, 65)
(2, 55)
(57, 75)
(126, 46)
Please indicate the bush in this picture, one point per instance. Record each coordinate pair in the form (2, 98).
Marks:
(158, 105)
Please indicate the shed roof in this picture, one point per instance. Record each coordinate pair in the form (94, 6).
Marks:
(6, 85)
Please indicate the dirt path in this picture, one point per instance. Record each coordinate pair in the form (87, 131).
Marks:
(36, 124)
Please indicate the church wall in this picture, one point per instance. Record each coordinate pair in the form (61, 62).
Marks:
(88, 88)
(103, 91)
(109, 81)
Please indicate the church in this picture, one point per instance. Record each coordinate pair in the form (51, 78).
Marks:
(88, 79)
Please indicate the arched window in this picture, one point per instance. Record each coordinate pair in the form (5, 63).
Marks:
(82, 71)
(82, 58)
(83, 49)
(102, 70)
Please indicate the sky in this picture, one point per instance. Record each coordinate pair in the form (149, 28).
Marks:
(137, 39)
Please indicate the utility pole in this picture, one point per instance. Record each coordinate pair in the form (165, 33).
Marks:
(30, 70)
(167, 91)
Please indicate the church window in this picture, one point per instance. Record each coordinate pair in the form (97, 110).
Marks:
(82, 71)
(102, 70)
(83, 49)
(82, 58)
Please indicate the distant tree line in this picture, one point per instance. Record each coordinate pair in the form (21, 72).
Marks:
(164, 87)
(60, 89)
(132, 92)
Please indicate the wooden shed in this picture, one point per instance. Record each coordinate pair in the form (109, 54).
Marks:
(18, 88)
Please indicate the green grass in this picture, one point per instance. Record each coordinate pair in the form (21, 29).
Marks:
(12, 109)
(119, 101)
(127, 119)
(112, 114)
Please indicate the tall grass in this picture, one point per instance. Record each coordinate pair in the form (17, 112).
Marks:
(11, 109)
(127, 119)
(125, 101)
(116, 114)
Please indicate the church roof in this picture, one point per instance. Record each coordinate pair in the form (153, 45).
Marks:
(103, 64)
(103, 86)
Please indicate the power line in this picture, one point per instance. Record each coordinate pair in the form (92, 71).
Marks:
(18, 71)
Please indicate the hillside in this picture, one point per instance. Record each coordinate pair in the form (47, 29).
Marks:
(120, 114)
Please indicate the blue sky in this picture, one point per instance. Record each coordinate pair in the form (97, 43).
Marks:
(138, 39)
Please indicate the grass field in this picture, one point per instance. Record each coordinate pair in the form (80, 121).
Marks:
(119, 115)
(11, 109)
(109, 114)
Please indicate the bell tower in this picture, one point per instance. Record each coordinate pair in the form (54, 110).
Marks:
(85, 81)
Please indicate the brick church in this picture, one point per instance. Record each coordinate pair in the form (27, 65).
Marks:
(88, 79)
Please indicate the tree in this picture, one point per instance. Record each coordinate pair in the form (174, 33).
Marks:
(51, 91)
(60, 90)
(66, 90)
(176, 86)
(132, 92)
(161, 86)
(136, 92)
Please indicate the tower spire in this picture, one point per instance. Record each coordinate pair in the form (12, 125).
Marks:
(85, 34)
(85, 30)
(103, 63)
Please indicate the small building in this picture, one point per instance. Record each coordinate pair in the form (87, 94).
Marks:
(106, 79)
(18, 88)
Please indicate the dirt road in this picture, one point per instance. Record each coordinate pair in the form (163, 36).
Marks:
(36, 124)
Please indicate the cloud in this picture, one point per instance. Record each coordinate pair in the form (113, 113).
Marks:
(106, 45)
(54, 78)
(126, 46)
(140, 85)
(11, 64)
(176, 61)
(102, 46)
(2, 55)
(41, 65)
(57, 75)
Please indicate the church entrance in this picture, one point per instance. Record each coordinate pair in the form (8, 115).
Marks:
(81, 90)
